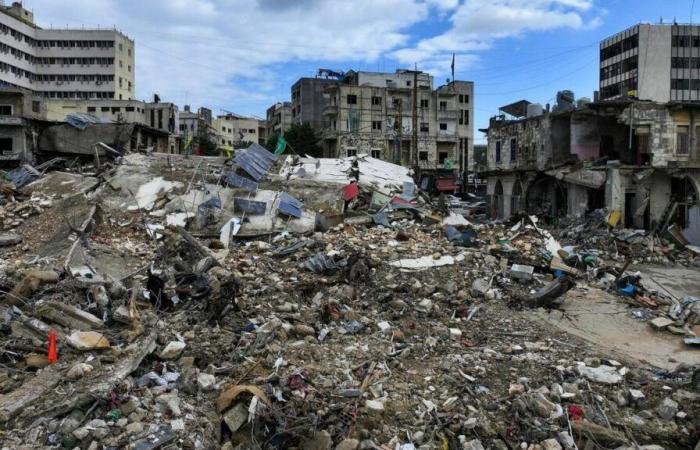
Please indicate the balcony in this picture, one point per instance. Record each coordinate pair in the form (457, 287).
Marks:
(330, 110)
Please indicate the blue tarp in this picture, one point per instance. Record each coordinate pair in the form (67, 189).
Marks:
(20, 177)
(255, 160)
(241, 182)
(289, 205)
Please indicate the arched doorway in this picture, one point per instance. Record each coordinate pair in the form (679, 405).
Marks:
(515, 198)
(498, 200)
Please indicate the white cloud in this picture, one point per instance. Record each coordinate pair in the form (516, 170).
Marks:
(208, 50)
(476, 24)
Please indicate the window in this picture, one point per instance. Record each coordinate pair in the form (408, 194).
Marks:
(443, 126)
(513, 149)
(461, 98)
(351, 99)
(498, 151)
(466, 117)
(680, 84)
(376, 124)
(461, 117)
(408, 83)
(92, 109)
(129, 67)
(36, 106)
(682, 140)
(466, 98)
(129, 109)
(424, 127)
(223, 129)
(424, 103)
(351, 152)
(104, 108)
(443, 106)
(422, 156)
(116, 109)
(376, 154)
(121, 63)
(5, 110)
(442, 156)
(6, 146)
(377, 101)
(396, 102)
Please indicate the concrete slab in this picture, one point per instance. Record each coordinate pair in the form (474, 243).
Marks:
(606, 321)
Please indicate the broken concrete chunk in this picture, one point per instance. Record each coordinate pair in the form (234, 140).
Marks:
(600, 374)
(661, 322)
(172, 350)
(8, 239)
(667, 409)
(69, 316)
(206, 382)
(79, 371)
(32, 280)
(87, 340)
(236, 417)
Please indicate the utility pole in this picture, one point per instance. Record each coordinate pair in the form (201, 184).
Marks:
(398, 127)
(414, 145)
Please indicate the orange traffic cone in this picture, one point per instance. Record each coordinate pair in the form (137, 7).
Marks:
(53, 354)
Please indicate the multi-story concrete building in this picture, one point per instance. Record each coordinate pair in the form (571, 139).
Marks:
(195, 124)
(234, 130)
(373, 113)
(658, 62)
(279, 118)
(262, 132)
(64, 63)
(308, 100)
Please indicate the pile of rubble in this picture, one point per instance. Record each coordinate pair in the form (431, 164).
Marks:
(168, 303)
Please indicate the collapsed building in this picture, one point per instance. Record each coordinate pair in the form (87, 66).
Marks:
(639, 160)
(28, 135)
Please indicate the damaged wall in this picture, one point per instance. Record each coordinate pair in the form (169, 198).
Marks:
(65, 138)
(585, 140)
(532, 144)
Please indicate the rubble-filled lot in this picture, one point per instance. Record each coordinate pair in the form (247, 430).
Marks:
(368, 317)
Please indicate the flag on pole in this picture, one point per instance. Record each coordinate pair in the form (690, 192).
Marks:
(228, 151)
(281, 145)
(453, 67)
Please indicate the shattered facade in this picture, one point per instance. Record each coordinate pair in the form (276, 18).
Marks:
(637, 158)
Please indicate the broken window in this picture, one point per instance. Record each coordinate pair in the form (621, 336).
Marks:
(424, 127)
(36, 106)
(466, 117)
(351, 99)
(461, 98)
(5, 110)
(442, 156)
(422, 156)
(498, 151)
(376, 100)
(443, 106)
(91, 109)
(351, 152)
(104, 108)
(513, 149)
(424, 103)
(680, 84)
(682, 140)
(396, 102)
(376, 124)
(443, 126)
(376, 154)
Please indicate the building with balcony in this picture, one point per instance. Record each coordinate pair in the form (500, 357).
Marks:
(234, 130)
(279, 118)
(64, 63)
(373, 113)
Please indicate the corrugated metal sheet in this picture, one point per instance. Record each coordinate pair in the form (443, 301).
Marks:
(289, 205)
(255, 160)
(241, 182)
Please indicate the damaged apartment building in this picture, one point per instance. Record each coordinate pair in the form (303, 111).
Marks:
(635, 151)
(640, 160)
(375, 113)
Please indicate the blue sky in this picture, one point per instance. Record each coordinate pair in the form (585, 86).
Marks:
(243, 55)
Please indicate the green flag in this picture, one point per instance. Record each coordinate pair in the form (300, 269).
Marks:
(281, 145)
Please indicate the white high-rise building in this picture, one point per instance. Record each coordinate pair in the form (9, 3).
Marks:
(64, 63)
